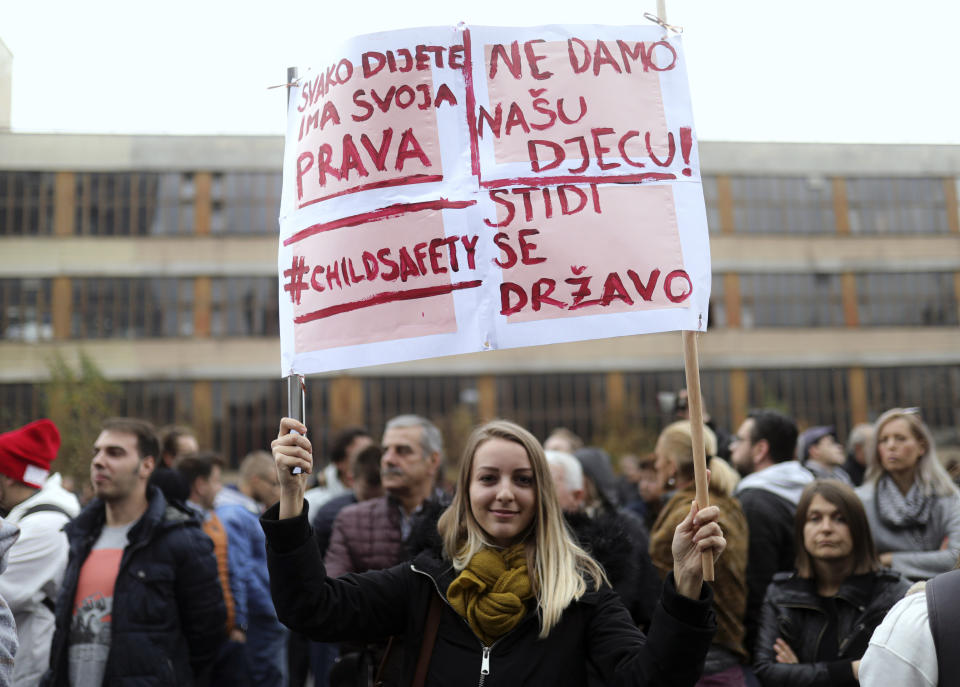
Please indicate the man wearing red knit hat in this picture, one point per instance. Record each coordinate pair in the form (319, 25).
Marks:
(35, 501)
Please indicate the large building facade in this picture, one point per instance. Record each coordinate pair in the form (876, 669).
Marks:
(836, 294)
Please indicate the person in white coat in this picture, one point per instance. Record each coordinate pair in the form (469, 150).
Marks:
(902, 650)
(35, 502)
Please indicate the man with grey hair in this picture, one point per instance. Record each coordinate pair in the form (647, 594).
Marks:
(615, 537)
(372, 534)
(567, 480)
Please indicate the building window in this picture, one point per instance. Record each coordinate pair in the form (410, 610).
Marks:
(126, 308)
(138, 204)
(907, 299)
(782, 205)
(246, 203)
(448, 402)
(711, 198)
(20, 404)
(935, 390)
(245, 306)
(25, 311)
(791, 300)
(246, 414)
(543, 402)
(26, 203)
(717, 309)
(810, 397)
(160, 402)
(651, 397)
(897, 206)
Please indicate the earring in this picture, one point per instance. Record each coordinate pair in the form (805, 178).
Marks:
(671, 481)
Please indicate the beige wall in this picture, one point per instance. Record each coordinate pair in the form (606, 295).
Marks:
(242, 256)
(154, 359)
(92, 152)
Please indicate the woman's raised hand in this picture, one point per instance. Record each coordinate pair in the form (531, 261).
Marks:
(699, 533)
(291, 449)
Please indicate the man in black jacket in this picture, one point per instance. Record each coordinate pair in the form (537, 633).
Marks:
(763, 452)
(140, 598)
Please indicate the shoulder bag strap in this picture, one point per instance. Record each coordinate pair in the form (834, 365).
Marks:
(429, 639)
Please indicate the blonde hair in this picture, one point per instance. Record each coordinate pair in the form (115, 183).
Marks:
(933, 477)
(723, 477)
(676, 441)
(560, 569)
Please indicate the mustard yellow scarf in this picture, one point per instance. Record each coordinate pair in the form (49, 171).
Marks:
(492, 591)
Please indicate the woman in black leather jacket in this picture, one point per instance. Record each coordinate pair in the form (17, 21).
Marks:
(816, 622)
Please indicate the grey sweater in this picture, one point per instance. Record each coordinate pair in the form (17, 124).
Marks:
(921, 552)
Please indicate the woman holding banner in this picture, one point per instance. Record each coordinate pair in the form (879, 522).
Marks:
(517, 600)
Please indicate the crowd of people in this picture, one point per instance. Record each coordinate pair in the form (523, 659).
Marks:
(542, 563)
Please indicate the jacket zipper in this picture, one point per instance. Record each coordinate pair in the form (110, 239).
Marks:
(845, 642)
(858, 627)
(124, 564)
(849, 638)
(484, 666)
(485, 659)
(823, 628)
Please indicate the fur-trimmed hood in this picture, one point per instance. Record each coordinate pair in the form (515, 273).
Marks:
(604, 537)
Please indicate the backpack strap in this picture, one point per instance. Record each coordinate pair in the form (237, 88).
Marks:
(46, 508)
(943, 608)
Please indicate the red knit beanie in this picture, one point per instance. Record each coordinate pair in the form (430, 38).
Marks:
(26, 453)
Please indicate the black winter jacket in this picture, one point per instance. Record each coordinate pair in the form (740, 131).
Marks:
(770, 521)
(168, 613)
(795, 612)
(381, 603)
(618, 541)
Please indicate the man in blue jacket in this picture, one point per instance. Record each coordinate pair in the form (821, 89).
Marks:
(140, 599)
(266, 644)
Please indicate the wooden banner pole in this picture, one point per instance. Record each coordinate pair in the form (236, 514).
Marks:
(691, 363)
(662, 10)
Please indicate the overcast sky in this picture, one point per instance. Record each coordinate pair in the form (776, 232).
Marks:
(760, 70)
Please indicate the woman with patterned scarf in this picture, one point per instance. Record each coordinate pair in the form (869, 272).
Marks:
(911, 502)
(512, 600)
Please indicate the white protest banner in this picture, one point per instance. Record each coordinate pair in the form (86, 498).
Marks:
(452, 190)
